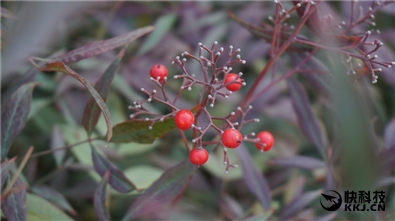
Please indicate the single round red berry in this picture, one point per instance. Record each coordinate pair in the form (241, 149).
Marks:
(266, 141)
(158, 70)
(184, 119)
(231, 138)
(235, 86)
(198, 156)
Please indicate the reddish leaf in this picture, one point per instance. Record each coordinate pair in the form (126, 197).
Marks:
(100, 197)
(14, 115)
(254, 180)
(57, 141)
(98, 47)
(60, 66)
(14, 204)
(138, 131)
(308, 163)
(306, 118)
(54, 197)
(163, 191)
(118, 180)
(102, 86)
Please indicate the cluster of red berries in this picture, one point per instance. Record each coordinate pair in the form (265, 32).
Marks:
(185, 119)
(231, 138)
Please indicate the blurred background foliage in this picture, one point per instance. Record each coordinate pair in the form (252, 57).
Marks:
(356, 120)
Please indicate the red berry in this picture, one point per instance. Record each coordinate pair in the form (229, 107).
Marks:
(198, 156)
(233, 86)
(231, 138)
(158, 70)
(184, 119)
(266, 141)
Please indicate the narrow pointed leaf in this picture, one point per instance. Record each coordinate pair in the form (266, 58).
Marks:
(38, 208)
(14, 204)
(266, 33)
(98, 47)
(5, 168)
(298, 203)
(6, 14)
(303, 162)
(163, 25)
(118, 180)
(162, 192)
(54, 197)
(14, 114)
(92, 111)
(61, 67)
(389, 134)
(100, 197)
(57, 141)
(306, 118)
(138, 131)
(254, 180)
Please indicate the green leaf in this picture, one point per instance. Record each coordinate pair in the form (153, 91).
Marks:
(54, 197)
(100, 197)
(118, 180)
(14, 204)
(138, 131)
(306, 118)
(38, 208)
(92, 111)
(60, 66)
(98, 47)
(163, 24)
(165, 190)
(143, 175)
(14, 115)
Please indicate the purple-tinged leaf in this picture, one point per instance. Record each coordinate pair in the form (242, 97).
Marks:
(389, 134)
(306, 118)
(260, 217)
(118, 180)
(13, 204)
(387, 160)
(327, 217)
(267, 33)
(303, 162)
(5, 168)
(14, 114)
(100, 197)
(138, 131)
(60, 66)
(6, 14)
(57, 141)
(92, 111)
(254, 180)
(98, 47)
(54, 197)
(162, 192)
(298, 203)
